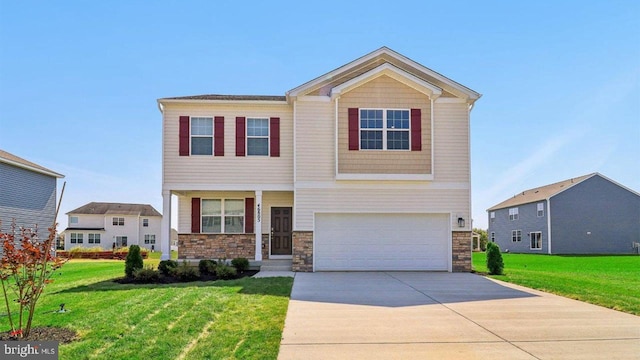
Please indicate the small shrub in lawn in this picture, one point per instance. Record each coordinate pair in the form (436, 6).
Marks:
(241, 264)
(133, 261)
(225, 272)
(207, 267)
(167, 267)
(146, 276)
(185, 272)
(495, 265)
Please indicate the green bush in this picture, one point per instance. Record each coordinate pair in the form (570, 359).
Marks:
(495, 265)
(167, 267)
(241, 264)
(133, 260)
(207, 267)
(185, 272)
(225, 272)
(146, 276)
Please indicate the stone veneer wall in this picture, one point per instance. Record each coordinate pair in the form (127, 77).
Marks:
(265, 246)
(216, 246)
(461, 251)
(302, 251)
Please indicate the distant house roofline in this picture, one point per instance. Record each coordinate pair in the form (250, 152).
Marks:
(104, 208)
(14, 160)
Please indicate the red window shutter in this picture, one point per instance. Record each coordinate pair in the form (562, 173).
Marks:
(240, 136)
(416, 130)
(218, 130)
(248, 215)
(184, 136)
(354, 129)
(274, 134)
(195, 215)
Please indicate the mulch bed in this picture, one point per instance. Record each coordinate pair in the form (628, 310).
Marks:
(173, 279)
(62, 335)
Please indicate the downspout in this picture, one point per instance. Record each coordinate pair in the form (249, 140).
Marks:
(549, 226)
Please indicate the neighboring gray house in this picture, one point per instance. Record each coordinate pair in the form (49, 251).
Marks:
(590, 214)
(27, 193)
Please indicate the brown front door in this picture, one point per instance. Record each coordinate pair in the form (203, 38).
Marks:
(281, 231)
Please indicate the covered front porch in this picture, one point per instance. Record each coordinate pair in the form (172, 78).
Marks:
(254, 224)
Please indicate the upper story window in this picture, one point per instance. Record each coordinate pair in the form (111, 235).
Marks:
(222, 216)
(258, 136)
(118, 221)
(492, 215)
(384, 129)
(201, 136)
(540, 207)
(145, 222)
(73, 219)
(513, 214)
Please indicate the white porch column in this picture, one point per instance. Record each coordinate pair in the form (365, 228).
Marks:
(258, 225)
(165, 230)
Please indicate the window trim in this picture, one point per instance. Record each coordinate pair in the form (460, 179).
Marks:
(531, 240)
(145, 222)
(384, 129)
(516, 236)
(247, 136)
(191, 135)
(223, 216)
(513, 213)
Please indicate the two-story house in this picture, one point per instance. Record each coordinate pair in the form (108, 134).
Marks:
(113, 225)
(27, 194)
(366, 167)
(590, 214)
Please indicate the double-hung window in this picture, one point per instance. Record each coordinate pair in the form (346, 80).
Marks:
(540, 208)
(513, 214)
(76, 238)
(258, 136)
(384, 129)
(149, 239)
(516, 235)
(93, 239)
(222, 216)
(145, 222)
(118, 221)
(201, 136)
(492, 215)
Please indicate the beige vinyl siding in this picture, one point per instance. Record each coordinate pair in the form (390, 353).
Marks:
(227, 169)
(380, 200)
(315, 141)
(269, 199)
(384, 93)
(451, 142)
(90, 221)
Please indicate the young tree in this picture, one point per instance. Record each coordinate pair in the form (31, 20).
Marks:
(483, 238)
(133, 261)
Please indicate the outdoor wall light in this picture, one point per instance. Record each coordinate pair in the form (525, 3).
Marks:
(460, 222)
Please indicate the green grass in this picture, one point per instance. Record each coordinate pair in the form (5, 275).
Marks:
(609, 281)
(238, 319)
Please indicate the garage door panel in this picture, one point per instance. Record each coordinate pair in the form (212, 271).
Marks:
(381, 241)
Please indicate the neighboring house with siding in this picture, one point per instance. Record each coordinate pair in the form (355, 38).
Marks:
(363, 168)
(27, 194)
(590, 214)
(109, 225)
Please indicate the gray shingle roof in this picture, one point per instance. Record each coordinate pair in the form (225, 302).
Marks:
(9, 158)
(230, 97)
(102, 208)
(539, 193)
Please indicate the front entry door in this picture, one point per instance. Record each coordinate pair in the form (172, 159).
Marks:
(281, 231)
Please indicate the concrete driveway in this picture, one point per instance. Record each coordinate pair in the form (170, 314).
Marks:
(417, 315)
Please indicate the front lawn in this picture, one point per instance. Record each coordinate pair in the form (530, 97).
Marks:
(240, 319)
(609, 281)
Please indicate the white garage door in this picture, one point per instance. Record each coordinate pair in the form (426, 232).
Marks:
(381, 242)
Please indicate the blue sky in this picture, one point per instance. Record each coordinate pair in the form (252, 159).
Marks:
(79, 80)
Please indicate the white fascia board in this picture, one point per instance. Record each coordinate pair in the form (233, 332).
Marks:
(389, 70)
(314, 98)
(230, 102)
(226, 187)
(402, 177)
(31, 168)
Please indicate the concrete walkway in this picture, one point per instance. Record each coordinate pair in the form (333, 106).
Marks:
(414, 315)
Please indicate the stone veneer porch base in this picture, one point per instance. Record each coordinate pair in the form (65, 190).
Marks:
(302, 251)
(461, 251)
(216, 246)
